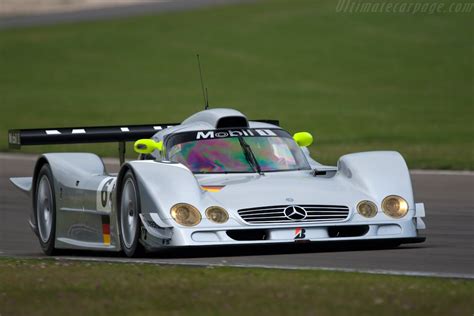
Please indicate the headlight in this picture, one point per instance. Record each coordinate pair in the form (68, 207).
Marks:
(367, 208)
(185, 214)
(395, 206)
(217, 214)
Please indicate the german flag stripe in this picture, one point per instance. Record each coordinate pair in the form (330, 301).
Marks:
(106, 229)
(212, 188)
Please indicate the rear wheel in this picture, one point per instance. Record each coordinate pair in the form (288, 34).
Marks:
(129, 210)
(45, 209)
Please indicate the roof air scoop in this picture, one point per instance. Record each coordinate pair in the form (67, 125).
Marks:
(232, 121)
(219, 118)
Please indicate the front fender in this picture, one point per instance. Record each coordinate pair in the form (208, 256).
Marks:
(378, 174)
(162, 185)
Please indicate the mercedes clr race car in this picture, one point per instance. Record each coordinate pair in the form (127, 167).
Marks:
(217, 178)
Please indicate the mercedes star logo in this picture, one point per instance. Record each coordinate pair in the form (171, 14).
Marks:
(295, 212)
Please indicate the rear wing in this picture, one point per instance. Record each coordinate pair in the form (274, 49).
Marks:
(94, 134)
(80, 135)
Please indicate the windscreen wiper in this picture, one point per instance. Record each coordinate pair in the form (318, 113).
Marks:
(250, 156)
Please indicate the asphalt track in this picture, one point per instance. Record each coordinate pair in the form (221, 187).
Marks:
(111, 12)
(448, 251)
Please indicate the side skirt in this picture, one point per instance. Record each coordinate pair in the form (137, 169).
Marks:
(67, 243)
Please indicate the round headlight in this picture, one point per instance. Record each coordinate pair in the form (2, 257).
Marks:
(395, 206)
(367, 208)
(217, 214)
(185, 214)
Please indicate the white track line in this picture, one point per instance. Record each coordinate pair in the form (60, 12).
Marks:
(442, 172)
(260, 266)
(10, 156)
(33, 158)
(263, 266)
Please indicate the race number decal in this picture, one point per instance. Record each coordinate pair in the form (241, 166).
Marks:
(104, 194)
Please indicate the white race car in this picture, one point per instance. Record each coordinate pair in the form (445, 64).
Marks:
(215, 179)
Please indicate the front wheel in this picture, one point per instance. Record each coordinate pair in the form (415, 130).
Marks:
(45, 209)
(129, 210)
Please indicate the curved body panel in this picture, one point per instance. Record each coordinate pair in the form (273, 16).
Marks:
(362, 176)
(83, 193)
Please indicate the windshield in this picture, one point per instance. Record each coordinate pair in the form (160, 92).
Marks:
(223, 151)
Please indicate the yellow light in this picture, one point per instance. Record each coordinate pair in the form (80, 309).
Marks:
(147, 146)
(303, 139)
(217, 214)
(185, 214)
(395, 206)
(367, 209)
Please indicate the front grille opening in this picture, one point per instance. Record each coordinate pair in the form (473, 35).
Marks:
(248, 234)
(276, 214)
(347, 231)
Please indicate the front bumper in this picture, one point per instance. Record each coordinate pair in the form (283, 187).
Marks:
(403, 231)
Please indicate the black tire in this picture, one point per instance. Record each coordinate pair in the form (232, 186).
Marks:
(45, 210)
(129, 235)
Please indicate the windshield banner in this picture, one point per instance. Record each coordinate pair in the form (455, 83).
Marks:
(234, 133)
(226, 133)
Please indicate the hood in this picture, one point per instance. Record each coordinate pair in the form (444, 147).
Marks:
(280, 188)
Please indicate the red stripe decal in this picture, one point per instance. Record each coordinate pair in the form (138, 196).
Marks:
(106, 229)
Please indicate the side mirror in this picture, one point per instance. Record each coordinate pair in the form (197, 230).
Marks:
(303, 139)
(147, 146)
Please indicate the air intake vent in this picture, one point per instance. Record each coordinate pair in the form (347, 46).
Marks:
(232, 121)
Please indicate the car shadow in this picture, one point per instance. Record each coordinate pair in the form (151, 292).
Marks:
(246, 250)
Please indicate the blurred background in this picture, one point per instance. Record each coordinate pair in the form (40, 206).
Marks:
(356, 80)
(30, 7)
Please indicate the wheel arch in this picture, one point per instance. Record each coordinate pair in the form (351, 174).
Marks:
(66, 169)
(116, 212)
(118, 192)
(116, 200)
(39, 164)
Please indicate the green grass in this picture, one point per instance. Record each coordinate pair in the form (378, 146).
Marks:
(48, 287)
(356, 81)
